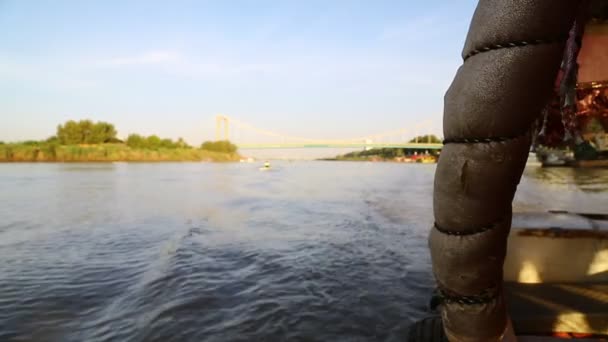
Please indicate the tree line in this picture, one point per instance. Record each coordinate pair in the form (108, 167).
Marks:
(87, 132)
(154, 142)
(219, 146)
(389, 153)
(426, 139)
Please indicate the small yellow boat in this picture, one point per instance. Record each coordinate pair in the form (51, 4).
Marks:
(427, 160)
(266, 167)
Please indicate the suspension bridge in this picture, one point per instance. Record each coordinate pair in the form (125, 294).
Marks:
(235, 130)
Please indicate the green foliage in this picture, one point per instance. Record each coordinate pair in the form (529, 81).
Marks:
(86, 140)
(54, 152)
(380, 152)
(426, 139)
(69, 133)
(181, 143)
(102, 132)
(136, 141)
(30, 143)
(153, 142)
(85, 132)
(115, 141)
(223, 146)
(391, 153)
(167, 143)
(52, 139)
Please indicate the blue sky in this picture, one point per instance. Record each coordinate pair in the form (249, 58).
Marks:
(318, 69)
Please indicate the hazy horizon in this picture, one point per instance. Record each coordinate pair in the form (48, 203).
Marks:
(317, 70)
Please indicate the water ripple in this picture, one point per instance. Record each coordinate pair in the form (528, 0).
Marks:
(198, 252)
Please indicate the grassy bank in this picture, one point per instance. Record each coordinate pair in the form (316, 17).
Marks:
(52, 152)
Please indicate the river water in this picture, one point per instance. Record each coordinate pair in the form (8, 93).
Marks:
(309, 251)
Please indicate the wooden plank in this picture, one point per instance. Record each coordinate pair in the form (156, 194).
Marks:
(538, 309)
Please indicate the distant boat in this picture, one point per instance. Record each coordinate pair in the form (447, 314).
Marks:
(554, 157)
(427, 160)
(266, 167)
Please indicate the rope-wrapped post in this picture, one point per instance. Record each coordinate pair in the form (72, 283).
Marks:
(511, 57)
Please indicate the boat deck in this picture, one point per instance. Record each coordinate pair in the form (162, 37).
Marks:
(555, 277)
(556, 273)
(560, 307)
(553, 339)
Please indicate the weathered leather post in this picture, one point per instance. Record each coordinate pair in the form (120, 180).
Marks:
(511, 57)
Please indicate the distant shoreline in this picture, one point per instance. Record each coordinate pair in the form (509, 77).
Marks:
(382, 160)
(102, 153)
(395, 155)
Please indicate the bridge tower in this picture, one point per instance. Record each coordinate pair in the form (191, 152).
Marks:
(221, 120)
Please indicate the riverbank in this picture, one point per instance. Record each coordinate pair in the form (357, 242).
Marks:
(396, 155)
(408, 160)
(50, 152)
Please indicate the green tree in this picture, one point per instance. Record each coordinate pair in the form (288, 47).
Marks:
(115, 141)
(224, 146)
(52, 139)
(167, 143)
(429, 138)
(85, 132)
(69, 133)
(150, 142)
(153, 142)
(102, 132)
(208, 145)
(181, 143)
(136, 141)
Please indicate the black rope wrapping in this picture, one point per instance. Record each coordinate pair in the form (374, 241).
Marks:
(487, 296)
(479, 299)
(518, 43)
(477, 140)
(483, 298)
(486, 140)
(477, 230)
